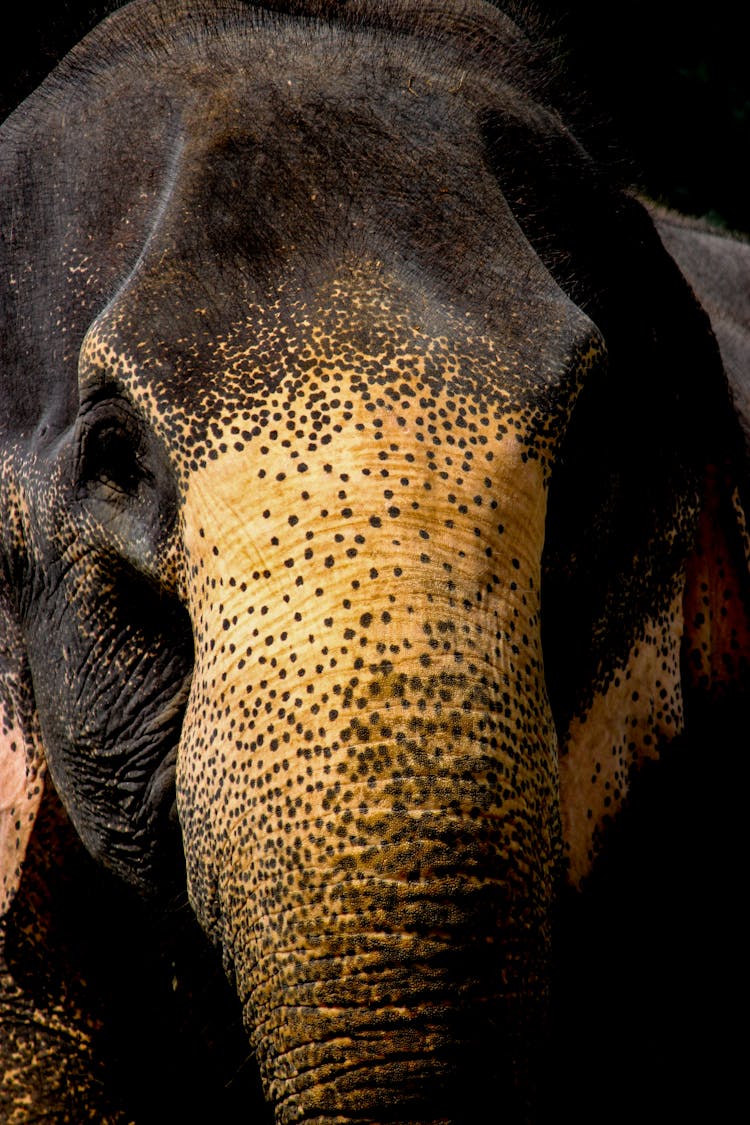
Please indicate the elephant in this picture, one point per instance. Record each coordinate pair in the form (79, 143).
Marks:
(374, 490)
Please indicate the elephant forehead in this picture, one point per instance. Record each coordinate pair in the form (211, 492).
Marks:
(393, 370)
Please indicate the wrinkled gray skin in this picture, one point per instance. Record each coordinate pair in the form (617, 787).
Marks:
(373, 510)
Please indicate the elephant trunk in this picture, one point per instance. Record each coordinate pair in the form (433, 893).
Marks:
(403, 977)
(367, 789)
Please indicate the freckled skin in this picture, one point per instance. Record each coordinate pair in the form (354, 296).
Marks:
(375, 510)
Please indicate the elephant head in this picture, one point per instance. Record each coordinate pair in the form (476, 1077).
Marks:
(363, 457)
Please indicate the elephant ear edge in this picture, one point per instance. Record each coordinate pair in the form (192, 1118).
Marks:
(717, 268)
(22, 763)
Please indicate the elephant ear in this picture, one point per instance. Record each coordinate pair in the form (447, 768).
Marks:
(645, 585)
(717, 268)
(22, 765)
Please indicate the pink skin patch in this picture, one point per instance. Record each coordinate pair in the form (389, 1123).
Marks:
(21, 786)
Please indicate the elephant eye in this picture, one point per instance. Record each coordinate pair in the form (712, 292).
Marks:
(109, 449)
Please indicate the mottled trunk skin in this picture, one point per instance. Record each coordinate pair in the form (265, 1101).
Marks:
(367, 783)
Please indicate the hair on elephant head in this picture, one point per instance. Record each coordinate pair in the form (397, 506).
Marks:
(373, 508)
